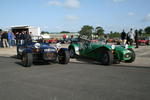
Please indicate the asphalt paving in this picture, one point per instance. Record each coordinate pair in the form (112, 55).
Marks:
(81, 79)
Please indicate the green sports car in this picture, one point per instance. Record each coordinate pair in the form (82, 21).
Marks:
(104, 53)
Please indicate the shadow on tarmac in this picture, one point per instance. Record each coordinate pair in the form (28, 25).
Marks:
(80, 60)
(83, 60)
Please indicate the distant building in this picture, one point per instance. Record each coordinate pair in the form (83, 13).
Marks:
(35, 30)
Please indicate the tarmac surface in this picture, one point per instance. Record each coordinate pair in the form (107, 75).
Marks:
(81, 79)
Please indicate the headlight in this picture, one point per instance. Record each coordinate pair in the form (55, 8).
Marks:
(48, 50)
(37, 45)
(58, 45)
(113, 46)
(20, 50)
(126, 46)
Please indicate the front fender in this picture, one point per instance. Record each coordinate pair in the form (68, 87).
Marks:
(130, 47)
(75, 47)
(108, 47)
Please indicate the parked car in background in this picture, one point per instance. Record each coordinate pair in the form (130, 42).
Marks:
(52, 40)
(144, 41)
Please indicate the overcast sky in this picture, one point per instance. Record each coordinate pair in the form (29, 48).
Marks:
(71, 15)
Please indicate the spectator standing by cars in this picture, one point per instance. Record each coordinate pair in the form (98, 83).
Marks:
(27, 38)
(123, 37)
(22, 37)
(5, 39)
(137, 38)
(17, 37)
(0, 40)
(131, 36)
(13, 42)
(10, 38)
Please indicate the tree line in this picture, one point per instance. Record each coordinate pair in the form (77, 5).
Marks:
(99, 31)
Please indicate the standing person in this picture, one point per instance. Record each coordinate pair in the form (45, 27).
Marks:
(22, 37)
(0, 40)
(131, 36)
(17, 37)
(30, 33)
(27, 38)
(9, 38)
(123, 37)
(136, 38)
(65, 38)
(5, 40)
(13, 42)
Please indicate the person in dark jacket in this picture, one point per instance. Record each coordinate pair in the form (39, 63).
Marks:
(136, 38)
(17, 37)
(22, 37)
(123, 37)
(28, 38)
(5, 39)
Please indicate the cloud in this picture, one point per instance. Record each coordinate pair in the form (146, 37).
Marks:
(147, 18)
(131, 14)
(72, 4)
(118, 0)
(72, 18)
(65, 4)
(55, 3)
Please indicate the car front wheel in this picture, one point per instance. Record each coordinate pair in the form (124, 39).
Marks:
(72, 52)
(27, 59)
(107, 58)
(132, 56)
(63, 56)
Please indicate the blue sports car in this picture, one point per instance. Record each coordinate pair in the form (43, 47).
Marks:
(36, 50)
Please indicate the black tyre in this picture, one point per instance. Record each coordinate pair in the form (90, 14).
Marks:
(72, 52)
(18, 55)
(132, 56)
(27, 59)
(63, 56)
(107, 58)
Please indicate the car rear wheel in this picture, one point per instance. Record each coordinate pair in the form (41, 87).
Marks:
(132, 56)
(27, 59)
(63, 56)
(107, 58)
(72, 52)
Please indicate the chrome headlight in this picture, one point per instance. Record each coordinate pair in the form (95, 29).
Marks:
(20, 50)
(37, 45)
(58, 45)
(126, 46)
(113, 46)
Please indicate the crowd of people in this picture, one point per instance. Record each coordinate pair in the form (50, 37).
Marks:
(130, 37)
(9, 39)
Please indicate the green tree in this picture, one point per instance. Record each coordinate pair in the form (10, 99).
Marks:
(65, 32)
(86, 30)
(140, 32)
(44, 32)
(147, 30)
(114, 34)
(99, 31)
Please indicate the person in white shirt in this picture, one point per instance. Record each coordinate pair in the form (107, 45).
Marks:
(131, 36)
